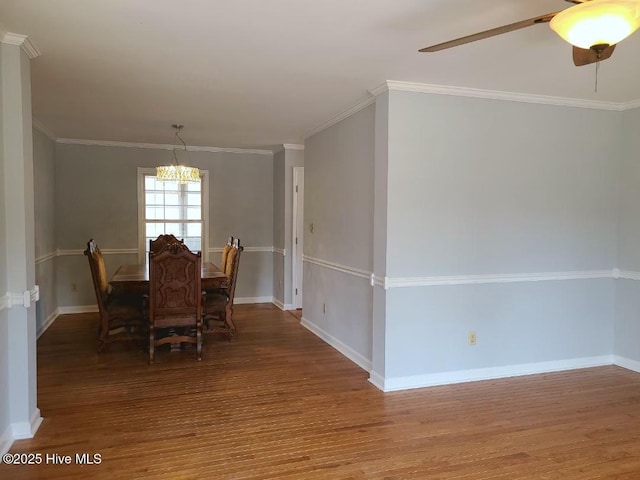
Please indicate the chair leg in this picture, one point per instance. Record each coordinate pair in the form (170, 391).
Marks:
(152, 344)
(199, 340)
(228, 318)
(103, 331)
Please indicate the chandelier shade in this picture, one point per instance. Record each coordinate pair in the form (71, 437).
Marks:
(598, 23)
(177, 173)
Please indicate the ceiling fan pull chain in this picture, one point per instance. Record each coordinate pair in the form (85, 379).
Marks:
(597, 68)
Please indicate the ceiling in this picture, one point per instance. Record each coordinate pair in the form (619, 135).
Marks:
(258, 73)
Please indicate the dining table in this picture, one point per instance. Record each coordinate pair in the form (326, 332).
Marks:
(134, 278)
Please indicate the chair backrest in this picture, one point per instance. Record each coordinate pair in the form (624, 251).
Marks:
(162, 240)
(175, 283)
(225, 252)
(98, 273)
(233, 263)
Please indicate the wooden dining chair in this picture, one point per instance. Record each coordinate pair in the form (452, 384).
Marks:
(175, 297)
(162, 241)
(218, 304)
(225, 251)
(121, 316)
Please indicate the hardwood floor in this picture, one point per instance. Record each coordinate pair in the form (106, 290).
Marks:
(278, 403)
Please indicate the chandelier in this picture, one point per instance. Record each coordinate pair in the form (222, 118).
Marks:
(597, 24)
(177, 173)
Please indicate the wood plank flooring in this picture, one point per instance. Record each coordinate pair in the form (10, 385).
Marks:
(278, 403)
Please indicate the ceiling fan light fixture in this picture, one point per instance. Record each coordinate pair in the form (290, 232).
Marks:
(597, 22)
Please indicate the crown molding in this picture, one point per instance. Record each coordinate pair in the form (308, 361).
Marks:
(44, 130)
(23, 41)
(393, 85)
(338, 118)
(157, 146)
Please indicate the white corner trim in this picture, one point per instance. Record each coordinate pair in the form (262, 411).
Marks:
(23, 430)
(292, 146)
(377, 380)
(338, 118)
(44, 130)
(379, 281)
(158, 146)
(281, 251)
(477, 374)
(393, 85)
(21, 41)
(344, 349)
(282, 306)
(629, 364)
(337, 267)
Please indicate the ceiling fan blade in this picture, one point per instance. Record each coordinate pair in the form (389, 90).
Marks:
(583, 56)
(491, 33)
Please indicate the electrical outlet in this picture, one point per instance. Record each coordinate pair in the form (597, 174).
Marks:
(312, 229)
(472, 338)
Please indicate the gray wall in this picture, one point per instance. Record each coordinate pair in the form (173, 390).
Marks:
(45, 241)
(339, 176)
(627, 327)
(481, 186)
(96, 197)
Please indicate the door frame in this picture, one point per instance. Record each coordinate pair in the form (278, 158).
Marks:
(297, 240)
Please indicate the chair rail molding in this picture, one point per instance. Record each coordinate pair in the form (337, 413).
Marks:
(337, 267)
(25, 299)
(387, 282)
(246, 249)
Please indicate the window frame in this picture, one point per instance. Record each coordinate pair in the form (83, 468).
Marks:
(204, 192)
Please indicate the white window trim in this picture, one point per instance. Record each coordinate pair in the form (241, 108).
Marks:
(142, 171)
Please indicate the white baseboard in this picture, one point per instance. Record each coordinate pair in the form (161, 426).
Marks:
(633, 365)
(22, 430)
(347, 351)
(377, 380)
(47, 323)
(6, 440)
(78, 309)
(247, 300)
(473, 375)
(282, 306)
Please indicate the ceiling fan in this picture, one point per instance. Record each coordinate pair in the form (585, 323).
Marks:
(593, 27)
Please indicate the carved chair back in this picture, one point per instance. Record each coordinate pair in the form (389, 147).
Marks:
(163, 240)
(175, 284)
